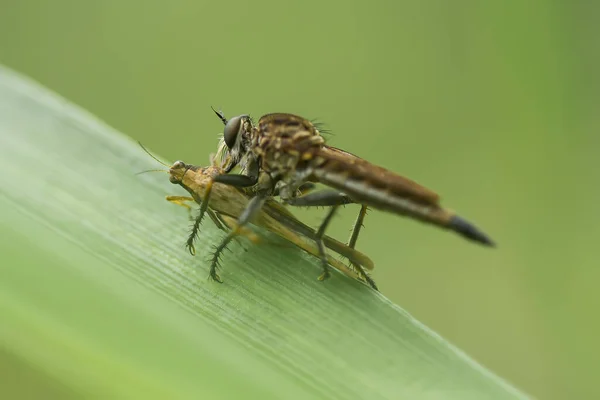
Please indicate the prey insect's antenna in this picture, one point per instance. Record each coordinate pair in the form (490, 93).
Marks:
(152, 170)
(152, 155)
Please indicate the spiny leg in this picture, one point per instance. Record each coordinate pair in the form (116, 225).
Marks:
(183, 200)
(203, 208)
(189, 244)
(321, 246)
(249, 212)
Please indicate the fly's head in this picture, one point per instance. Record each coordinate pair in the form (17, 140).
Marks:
(236, 142)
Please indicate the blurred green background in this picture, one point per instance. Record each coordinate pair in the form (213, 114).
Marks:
(492, 104)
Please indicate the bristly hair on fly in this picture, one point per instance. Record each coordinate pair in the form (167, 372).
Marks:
(321, 127)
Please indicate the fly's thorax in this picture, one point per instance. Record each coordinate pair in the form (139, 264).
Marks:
(277, 159)
(285, 125)
(285, 132)
(283, 155)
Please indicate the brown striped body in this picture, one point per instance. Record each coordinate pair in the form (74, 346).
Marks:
(285, 142)
(377, 187)
(291, 151)
(291, 146)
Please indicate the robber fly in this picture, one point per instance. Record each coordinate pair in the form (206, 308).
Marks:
(226, 208)
(285, 151)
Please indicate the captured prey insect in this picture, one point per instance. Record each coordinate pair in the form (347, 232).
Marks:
(226, 207)
(290, 151)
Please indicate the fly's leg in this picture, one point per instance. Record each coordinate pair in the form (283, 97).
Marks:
(360, 263)
(306, 187)
(302, 190)
(335, 198)
(321, 246)
(358, 225)
(249, 212)
(322, 198)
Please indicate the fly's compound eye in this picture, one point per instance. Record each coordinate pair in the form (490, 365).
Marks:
(232, 129)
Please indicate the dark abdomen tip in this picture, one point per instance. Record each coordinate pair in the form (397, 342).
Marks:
(466, 229)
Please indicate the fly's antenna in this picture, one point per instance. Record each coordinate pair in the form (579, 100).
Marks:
(220, 115)
(153, 156)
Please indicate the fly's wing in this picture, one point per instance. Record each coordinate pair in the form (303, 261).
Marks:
(337, 161)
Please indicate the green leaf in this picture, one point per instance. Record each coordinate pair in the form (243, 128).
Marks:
(98, 295)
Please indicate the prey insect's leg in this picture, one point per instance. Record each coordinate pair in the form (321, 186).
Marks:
(203, 208)
(231, 223)
(319, 239)
(232, 180)
(189, 244)
(250, 211)
(181, 201)
(218, 222)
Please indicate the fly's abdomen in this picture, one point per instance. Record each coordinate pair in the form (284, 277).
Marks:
(365, 191)
(382, 189)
